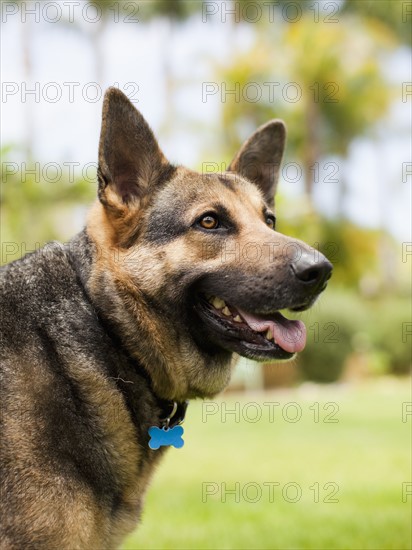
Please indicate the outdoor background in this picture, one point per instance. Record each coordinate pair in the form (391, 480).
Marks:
(311, 454)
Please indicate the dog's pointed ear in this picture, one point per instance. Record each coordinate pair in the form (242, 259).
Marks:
(130, 160)
(260, 157)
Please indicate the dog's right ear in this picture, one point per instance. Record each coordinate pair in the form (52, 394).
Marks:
(130, 160)
(260, 157)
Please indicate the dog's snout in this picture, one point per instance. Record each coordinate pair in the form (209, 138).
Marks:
(311, 270)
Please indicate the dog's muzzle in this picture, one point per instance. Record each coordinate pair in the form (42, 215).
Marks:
(311, 274)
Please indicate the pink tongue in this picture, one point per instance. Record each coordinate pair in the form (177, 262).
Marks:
(289, 335)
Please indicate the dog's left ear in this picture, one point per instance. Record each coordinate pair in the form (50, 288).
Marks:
(260, 157)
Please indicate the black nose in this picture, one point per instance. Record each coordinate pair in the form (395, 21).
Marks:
(312, 269)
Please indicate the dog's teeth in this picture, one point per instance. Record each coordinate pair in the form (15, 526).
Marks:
(218, 303)
(269, 334)
(238, 319)
(226, 311)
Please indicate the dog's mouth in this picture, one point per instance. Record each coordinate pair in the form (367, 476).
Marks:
(259, 337)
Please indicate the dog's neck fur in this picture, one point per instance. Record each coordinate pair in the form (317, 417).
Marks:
(82, 251)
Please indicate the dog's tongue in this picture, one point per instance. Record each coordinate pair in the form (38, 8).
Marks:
(289, 335)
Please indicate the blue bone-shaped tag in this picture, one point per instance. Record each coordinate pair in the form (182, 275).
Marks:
(163, 437)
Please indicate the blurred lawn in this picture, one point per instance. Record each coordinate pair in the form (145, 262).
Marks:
(367, 453)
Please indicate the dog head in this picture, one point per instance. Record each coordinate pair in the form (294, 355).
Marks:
(190, 267)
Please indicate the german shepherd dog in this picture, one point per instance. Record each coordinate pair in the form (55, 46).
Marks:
(109, 335)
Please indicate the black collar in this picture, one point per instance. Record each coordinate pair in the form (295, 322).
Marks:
(173, 412)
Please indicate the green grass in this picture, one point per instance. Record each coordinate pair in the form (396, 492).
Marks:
(366, 455)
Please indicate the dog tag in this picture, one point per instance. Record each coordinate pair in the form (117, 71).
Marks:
(166, 437)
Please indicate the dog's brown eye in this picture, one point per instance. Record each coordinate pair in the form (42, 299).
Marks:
(209, 222)
(270, 222)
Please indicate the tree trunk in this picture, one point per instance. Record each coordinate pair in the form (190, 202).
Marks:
(26, 39)
(169, 83)
(97, 41)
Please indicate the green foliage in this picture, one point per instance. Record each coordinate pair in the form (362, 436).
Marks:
(344, 325)
(353, 250)
(34, 211)
(177, 10)
(339, 317)
(395, 15)
(390, 332)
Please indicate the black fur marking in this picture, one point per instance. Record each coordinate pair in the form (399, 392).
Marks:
(164, 177)
(166, 174)
(228, 182)
(166, 225)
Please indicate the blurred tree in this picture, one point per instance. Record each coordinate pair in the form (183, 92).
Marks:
(397, 16)
(26, 35)
(324, 79)
(95, 29)
(176, 10)
(172, 14)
